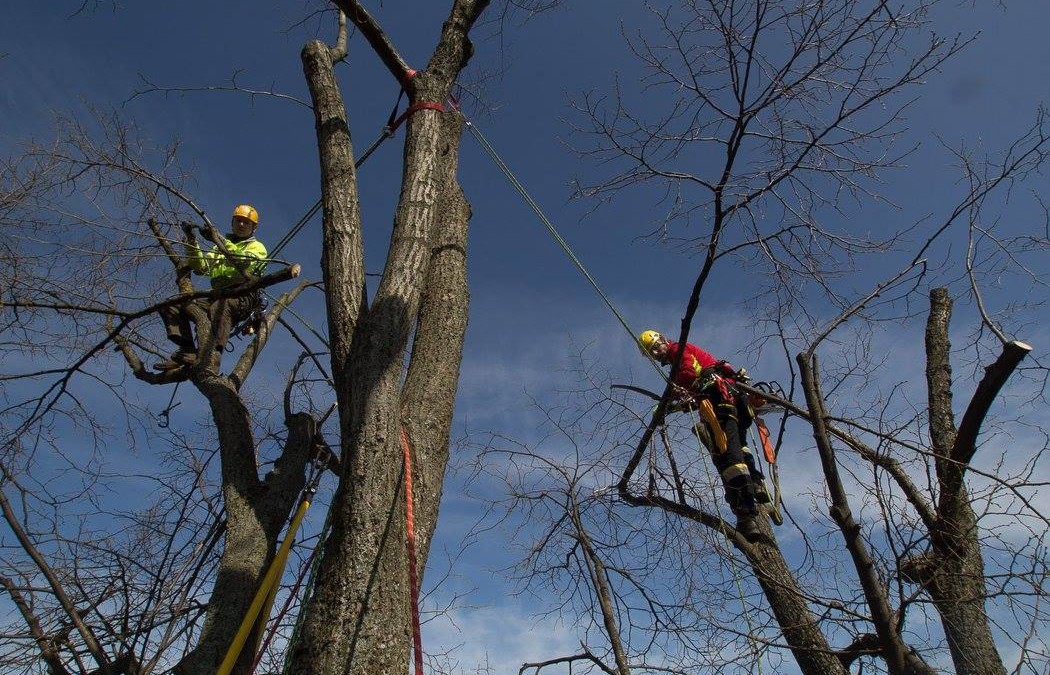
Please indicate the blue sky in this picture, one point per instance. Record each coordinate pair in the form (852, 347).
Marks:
(530, 309)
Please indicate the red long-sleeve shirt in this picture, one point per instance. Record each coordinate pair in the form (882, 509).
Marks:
(693, 361)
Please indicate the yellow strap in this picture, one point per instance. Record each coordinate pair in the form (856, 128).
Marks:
(269, 583)
(268, 605)
(707, 412)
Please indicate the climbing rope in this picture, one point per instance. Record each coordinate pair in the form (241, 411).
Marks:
(410, 545)
(164, 418)
(517, 185)
(256, 316)
(393, 122)
(266, 594)
(246, 326)
(560, 240)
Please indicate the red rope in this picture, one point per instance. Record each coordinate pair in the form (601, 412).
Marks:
(408, 75)
(413, 579)
(415, 107)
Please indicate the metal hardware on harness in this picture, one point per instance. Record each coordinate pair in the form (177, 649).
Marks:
(165, 415)
(318, 465)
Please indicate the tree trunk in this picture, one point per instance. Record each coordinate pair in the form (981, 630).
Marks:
(359, 612)
(357, 620)
(957, 586)
(954, 574)
(433, 374)
(256, 512)
(793, 613)
(790, 607)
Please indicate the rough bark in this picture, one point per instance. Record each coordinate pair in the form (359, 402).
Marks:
(256, 508)
(954, 574)
(362, 581)
(357, 620)
(793, 613)
(433, 374)
(256, 511)
(342, 254)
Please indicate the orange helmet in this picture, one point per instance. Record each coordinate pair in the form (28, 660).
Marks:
(248, 212)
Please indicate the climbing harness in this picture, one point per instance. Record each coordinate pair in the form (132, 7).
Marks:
(718, 434)
(705, 410)
(256, 312)
(258, 303)
(267, 590)
(709, 420)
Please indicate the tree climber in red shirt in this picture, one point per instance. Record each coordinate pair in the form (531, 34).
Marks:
(705, 382)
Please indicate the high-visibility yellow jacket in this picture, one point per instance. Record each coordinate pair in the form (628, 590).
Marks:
(216, 265)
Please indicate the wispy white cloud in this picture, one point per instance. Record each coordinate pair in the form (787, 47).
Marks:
(500, 637)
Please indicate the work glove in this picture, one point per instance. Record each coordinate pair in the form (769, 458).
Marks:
(682, 400)
(188, 228)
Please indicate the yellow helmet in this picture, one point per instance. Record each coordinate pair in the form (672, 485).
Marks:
(248, 212)
(647, 339)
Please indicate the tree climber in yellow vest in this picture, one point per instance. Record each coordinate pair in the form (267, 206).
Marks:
(250, 256)
(700, 379)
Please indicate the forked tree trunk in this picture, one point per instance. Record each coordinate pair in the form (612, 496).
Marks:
(358, 618)
(953, 573)
(256, 512)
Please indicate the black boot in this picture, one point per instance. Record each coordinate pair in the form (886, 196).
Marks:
(180, 358)
(741, 497)
(757, 479)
